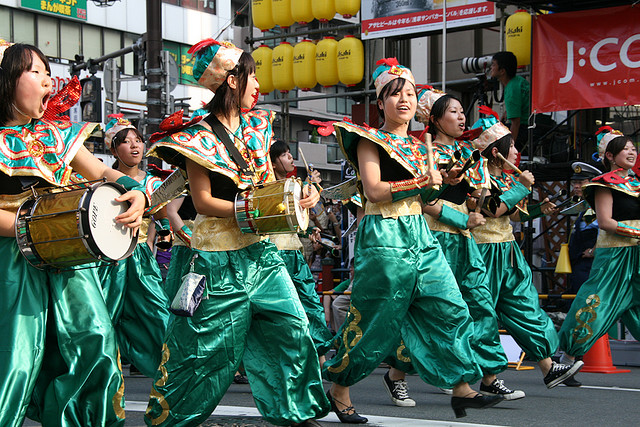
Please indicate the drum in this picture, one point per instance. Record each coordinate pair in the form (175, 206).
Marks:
(272, 208)
(69, 228)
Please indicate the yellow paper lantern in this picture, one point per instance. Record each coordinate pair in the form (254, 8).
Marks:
(347, 8)
(323, 10)
(301, 11)
(304, 65)
(263, 56)
(350, 60)
(281, 12)
(327, 62)
(518, 36)
(282, 67)
(262, 15)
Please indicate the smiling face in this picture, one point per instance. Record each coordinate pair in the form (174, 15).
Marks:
(32, 91)
(131, 150)
(251, 93)
(626, 158)
(399, 106)
(453, 120)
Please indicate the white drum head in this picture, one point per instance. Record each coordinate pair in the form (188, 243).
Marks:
(113, 239)
(302, 215)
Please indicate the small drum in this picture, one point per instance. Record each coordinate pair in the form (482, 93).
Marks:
(272, 208)
(74, 227)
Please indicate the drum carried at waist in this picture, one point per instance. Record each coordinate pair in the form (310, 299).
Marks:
(73, 227)
(272, 208)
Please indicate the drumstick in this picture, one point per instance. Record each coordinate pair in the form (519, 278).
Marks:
(454, 159)
(306, 165)
(509, 164)
(427, 141)
(475, 156)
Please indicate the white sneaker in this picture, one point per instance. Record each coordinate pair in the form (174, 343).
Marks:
(398, 391)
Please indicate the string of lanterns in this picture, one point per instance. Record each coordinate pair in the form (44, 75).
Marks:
(269, 13)
(306, 64)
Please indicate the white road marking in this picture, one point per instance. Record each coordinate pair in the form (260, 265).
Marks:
(244, 411)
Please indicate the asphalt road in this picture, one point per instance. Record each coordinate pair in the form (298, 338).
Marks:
(604, 400)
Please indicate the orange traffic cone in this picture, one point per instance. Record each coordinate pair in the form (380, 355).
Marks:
(598, 358)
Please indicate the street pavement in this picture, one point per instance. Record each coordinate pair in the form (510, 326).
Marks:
(603, 400)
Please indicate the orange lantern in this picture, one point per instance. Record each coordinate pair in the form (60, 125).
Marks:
(518, 36)
(263, 57)
(350, 60)
(323, 10)
(261, 13)
(304, 65)
(347, 8)
(301, 11)
(326, 62)
(281, 12)
(282, 67)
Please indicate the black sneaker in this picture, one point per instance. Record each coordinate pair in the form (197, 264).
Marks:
(559, 372)
(572, 382)
(398, 391)
(497, 387)
(240, 379)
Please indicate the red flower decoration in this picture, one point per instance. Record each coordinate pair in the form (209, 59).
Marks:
(611, 178)
(470, 135)
(172, 124)
(324, 128)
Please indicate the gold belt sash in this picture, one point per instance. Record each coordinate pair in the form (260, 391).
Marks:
(220, 234)
(495, 230)
(612, 240)
(404, 207)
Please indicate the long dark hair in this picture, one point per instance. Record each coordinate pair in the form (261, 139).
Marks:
(226, 99)
(394, 86)
(16, 60)
(437, 111)
(615, 146)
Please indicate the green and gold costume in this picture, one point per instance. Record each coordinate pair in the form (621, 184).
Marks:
(462, 254)
(402, 283)
(612, 291)
(251, 312)
(137, 302)
(509, 277)
(290, 249)
(58, 355)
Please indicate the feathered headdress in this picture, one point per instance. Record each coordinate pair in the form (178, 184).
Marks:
(117, 123)
(427, 96)
(604, 136)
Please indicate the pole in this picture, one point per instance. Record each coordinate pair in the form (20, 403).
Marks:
(154, 68)
(444, 45)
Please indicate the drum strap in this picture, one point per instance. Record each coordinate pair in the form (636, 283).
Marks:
(223, 136)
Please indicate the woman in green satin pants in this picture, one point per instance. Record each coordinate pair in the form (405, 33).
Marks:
(612, 291)
(250, 311)
(133, 291)
(402, 283)
(515, 299)
(58, 355)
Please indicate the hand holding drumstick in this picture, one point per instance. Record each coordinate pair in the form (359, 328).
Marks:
(526, 178)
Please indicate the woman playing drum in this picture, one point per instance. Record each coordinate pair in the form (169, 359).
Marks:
(133, 290)
(250, 312)
(74, 378)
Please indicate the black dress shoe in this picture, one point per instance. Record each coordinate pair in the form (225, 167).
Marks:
(479, 401)
(344, 416)
(240, 379)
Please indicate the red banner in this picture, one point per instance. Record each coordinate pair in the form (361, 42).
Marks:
(586, 59)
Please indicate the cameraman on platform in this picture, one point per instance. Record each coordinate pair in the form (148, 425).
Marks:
(516, 95)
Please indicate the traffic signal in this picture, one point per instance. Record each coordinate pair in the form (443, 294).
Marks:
(91, 99)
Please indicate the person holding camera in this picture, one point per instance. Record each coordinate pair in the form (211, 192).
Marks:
(504, 65)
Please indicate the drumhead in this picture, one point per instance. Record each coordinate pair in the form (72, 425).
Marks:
(112, 240)
(302, 215)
